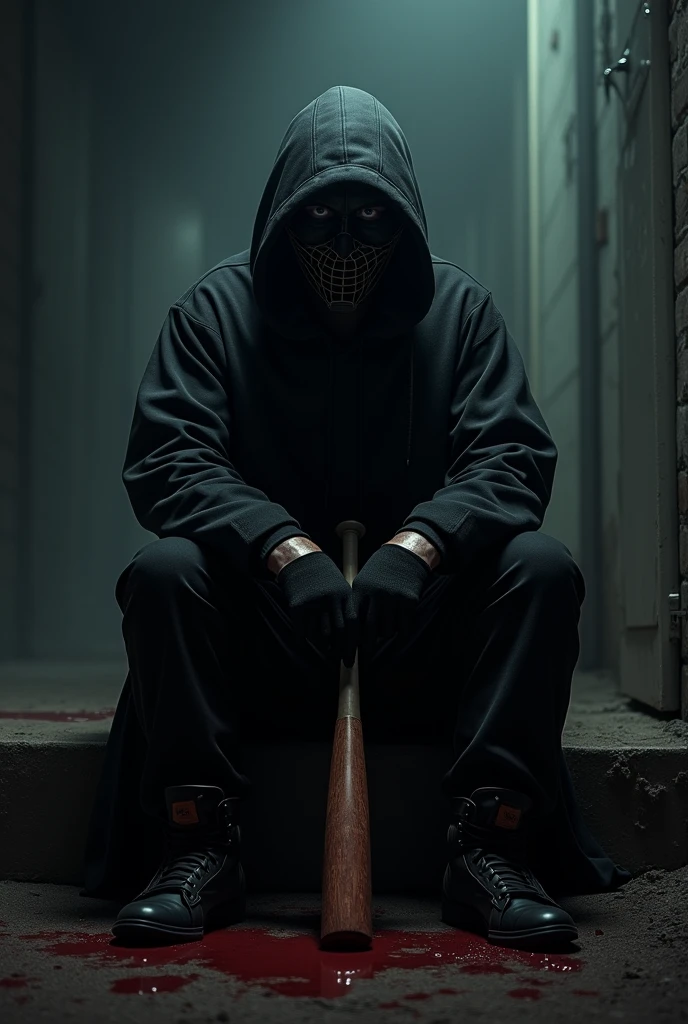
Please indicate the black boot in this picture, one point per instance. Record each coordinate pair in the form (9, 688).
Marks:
(200, 884)
(488, 887)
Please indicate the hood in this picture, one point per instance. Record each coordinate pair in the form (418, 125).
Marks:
(344, 135)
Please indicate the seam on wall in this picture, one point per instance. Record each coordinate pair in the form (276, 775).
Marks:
(564, 282)
(555, 112)
(609, 331)
(557, 201)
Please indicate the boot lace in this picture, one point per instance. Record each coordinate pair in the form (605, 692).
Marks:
(503, 867)
(507, 876)
(188, 870)
(184, 866)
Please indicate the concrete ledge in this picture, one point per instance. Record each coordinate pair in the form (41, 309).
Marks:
(630, 772)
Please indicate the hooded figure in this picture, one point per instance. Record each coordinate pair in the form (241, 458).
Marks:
(337, 370)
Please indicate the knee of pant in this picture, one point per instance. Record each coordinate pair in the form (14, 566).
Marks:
(166, 563)
(545, 561)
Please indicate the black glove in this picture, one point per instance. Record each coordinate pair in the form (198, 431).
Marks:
(387, 591)
(321, 604)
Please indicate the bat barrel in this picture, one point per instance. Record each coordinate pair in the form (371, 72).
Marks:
(347, 892)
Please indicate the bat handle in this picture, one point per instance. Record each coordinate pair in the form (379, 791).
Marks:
(350, 530)
(349, 705)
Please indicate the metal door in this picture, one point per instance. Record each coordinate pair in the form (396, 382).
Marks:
(649, 570)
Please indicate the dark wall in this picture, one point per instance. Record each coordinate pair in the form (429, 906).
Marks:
(13, 99)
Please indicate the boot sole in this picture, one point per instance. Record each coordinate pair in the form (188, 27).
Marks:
(460, 915)
(142, 933)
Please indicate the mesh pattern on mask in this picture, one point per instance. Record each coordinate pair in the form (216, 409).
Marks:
(343, 279)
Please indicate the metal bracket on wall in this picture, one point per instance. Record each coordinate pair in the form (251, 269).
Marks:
(634, 69)
(678, 609)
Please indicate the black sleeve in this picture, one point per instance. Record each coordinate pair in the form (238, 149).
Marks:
(177, 470)
(503, 459)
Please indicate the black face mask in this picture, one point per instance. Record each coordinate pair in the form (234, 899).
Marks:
(344, 239)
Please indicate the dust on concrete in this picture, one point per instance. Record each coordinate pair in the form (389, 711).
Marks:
(630, 956)
(676, 728)
(640, 967)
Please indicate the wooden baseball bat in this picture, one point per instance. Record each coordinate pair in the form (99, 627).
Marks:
(346, 922)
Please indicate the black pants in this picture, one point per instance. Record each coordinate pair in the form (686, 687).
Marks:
(213, 659)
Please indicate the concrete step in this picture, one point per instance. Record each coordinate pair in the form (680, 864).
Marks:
(630, 771)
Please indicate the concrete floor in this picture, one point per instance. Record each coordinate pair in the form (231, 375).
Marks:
(57, 963)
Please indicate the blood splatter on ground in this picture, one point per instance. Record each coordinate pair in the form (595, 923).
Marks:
(294, 965)
(525, 993)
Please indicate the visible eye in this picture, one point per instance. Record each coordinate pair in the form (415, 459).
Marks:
(319, 212)
(370, 212)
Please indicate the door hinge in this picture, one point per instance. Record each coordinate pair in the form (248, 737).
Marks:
(678, 608)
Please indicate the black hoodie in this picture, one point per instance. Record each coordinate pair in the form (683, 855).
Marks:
(253, 425)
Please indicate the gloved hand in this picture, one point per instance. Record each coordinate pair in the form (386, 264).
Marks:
(321, 604)
(387, 591)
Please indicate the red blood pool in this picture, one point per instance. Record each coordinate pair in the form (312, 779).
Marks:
(14, 982)
(584, 992)
(534, 981)
(59, 716)
(598, 931)
(418, 995)
(451, 991)
(294, 965)
(151, 984)
(525, 993)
